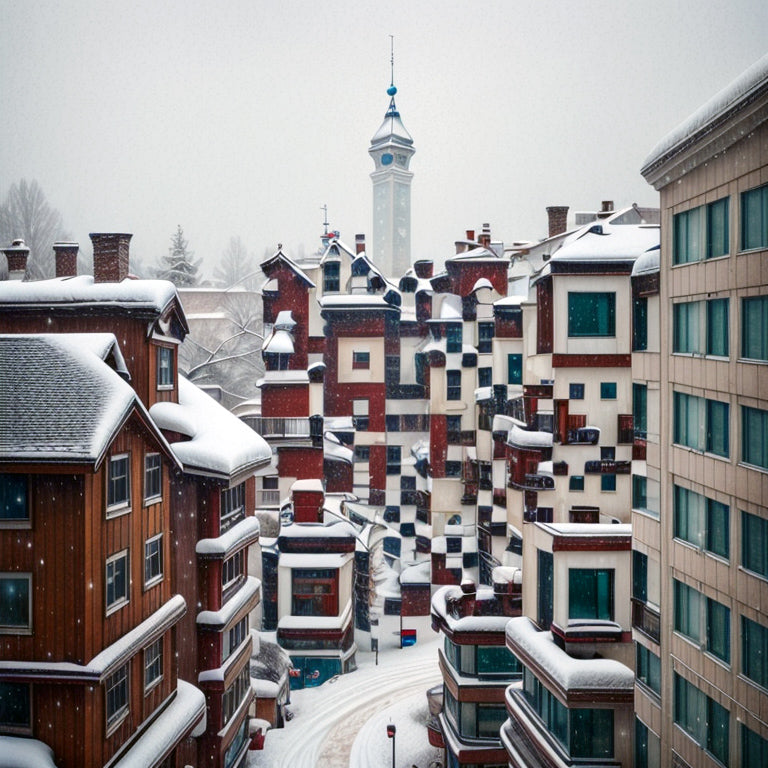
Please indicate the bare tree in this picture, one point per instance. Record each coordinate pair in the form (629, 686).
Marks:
(25, 213)
(237, 267)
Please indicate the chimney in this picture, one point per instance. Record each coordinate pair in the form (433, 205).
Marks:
(470, 234)
(606, 210)
(468, 598)
(110, 257)
(65, 255)
(558, 219)
(424, 269)
(16, 254)
(359, 244)
(485, 236)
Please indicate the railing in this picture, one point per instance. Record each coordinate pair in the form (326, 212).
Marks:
(533, 483)
(646, 619)
(607, 467)
(278, 426)
(268, 498)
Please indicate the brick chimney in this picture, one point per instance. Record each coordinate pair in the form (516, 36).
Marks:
(558, 219)
(424, 269)
(16, 254)
(359, 244)
(606, 209)
(111, 259)
(470, 234)
(65, 255)
(485, 236)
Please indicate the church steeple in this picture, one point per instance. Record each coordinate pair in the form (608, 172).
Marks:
(391, 149)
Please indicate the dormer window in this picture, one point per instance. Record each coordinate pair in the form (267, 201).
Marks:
(164, 368)
(331, 279)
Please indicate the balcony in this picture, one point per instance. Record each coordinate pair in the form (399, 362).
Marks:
(646, 620)
(584, 436)
(500, 497)
(267, 497)
(279, 427)
(533, 483)
(607, 467)
(639, 447)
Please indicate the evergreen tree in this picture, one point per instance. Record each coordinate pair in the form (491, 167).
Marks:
(178, 266)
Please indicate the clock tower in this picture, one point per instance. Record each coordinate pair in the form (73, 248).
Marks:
(391, 149)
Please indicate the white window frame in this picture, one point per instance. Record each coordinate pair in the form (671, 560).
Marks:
(125, 598)
(157, 554)
(121, 506)
(161, 352)
(153, 660)
(117, 678)
(152, 497)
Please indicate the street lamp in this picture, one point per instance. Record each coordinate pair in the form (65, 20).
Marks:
(391, 730)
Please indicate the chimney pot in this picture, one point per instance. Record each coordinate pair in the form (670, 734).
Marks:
(485, 236)
(16, 254)
(470, 234)
(111, 258)
(558, 219)
(359, 243)
(65, 255)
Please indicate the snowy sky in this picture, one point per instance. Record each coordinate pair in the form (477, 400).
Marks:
(245, 117)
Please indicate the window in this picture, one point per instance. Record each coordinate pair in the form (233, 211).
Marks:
(453, 384)
(754, 544)
(648, 668)
(546, 568)
(314, 592)
(232, 569)
(514, 369)
(719, 630)
(701, 327)
(701, 521)
(360, 414)
(453, 337)
(754, 651)
(640, 410)
(687, 611)
(717, 327)
(590, 593)
(647, 747)
(392, 423)
(702, 718)
(754, 218)
(393, 460)
(575, 391)
(153, 663)
(234, 749)
(117, 695)
(754, 749)
(153, 560)
(754, 328)
(361, 360)
(691, 609)
(235, 637)
(685, 323)
(119, 481)
(608, 390)
(607, 483)
(234, 695)
(453, 469)
(15, 709)
(701, 424)
(362, 452)
(13, 499)
(484, 377)
(485, 332)
(591, 314)
(164, 367)
(15, 603)
(117, 577)
(576, 483)
(232, 506)
(717, 228)
(754, 436)
(331, 277)
(639, 576)
(701, 233)
(640, 324)
(153, 476)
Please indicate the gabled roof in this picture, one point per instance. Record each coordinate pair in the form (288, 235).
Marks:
(269, 265)
(60, 399)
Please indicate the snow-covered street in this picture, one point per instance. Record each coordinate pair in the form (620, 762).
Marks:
(343, 722)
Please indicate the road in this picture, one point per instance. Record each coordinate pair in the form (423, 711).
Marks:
(347, 718)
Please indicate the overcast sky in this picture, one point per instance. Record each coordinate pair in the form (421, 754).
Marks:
(245, 117)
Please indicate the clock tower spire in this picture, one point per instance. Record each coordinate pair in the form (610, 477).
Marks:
(391, 149)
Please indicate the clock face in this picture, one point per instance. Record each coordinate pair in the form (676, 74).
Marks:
(386, 159)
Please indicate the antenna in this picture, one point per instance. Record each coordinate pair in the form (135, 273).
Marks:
(392, 59)
(324, 209)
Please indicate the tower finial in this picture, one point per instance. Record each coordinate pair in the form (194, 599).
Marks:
(392, 60)
(324, 209)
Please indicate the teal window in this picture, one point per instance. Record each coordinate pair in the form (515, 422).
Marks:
(576, 483)
(701, 521)
(639, 324)
(754, 749)
(484, 377)
(361, 361)
(14, 505)
(754, 544)
(453, 337)
(688, 610)
(754, 218)
(688, 236)
(648, 668)
(717, 327)
(590, 593)
(685, 327)
(514, 369)
(717, 428)
(546, 567)
(497, 660)
(701, 424)
(591, 314)
(717, 228)
(575, 391)
(608, 390)
(640, 410)
(754, 436)
(687, 420)
(15, 711)
(15, 602)
(705, 721)
(453, 385)
(607, 482)
(754, 328)
(647, 747)
(394, 465)
(331, 277)
(485, 332)
(719, 630)
(754, 651)
(639, 576)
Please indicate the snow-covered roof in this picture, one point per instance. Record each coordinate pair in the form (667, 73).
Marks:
(338, 423)
(220, 445)
(283, 377)
(416, 574)
(703, 119)
(292, 265)
(392, 130)
(245, 531)
(467, 623)
(248, 592)
(154, 295)
(333, 450)
(318, 531)
(312, 484)
(510, 301)
(451, 307)
(568, 672)
(316, 622)
(355, 300)
(506, 574)
(482, 282)
(19, 752)
(647, 263)
(279, 342)
(59, 400)
(333, 560)
(284, 320)
(476, 254)
(588, 529)
(523, 438)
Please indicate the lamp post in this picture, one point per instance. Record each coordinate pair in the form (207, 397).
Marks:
(391, 730)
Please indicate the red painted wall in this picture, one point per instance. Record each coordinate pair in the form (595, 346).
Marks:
(285, 400)
(438, 444)
(301, 462)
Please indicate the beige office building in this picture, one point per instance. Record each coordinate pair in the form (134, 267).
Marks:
(700, 583)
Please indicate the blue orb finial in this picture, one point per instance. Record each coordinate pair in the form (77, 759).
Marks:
(391, 91)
